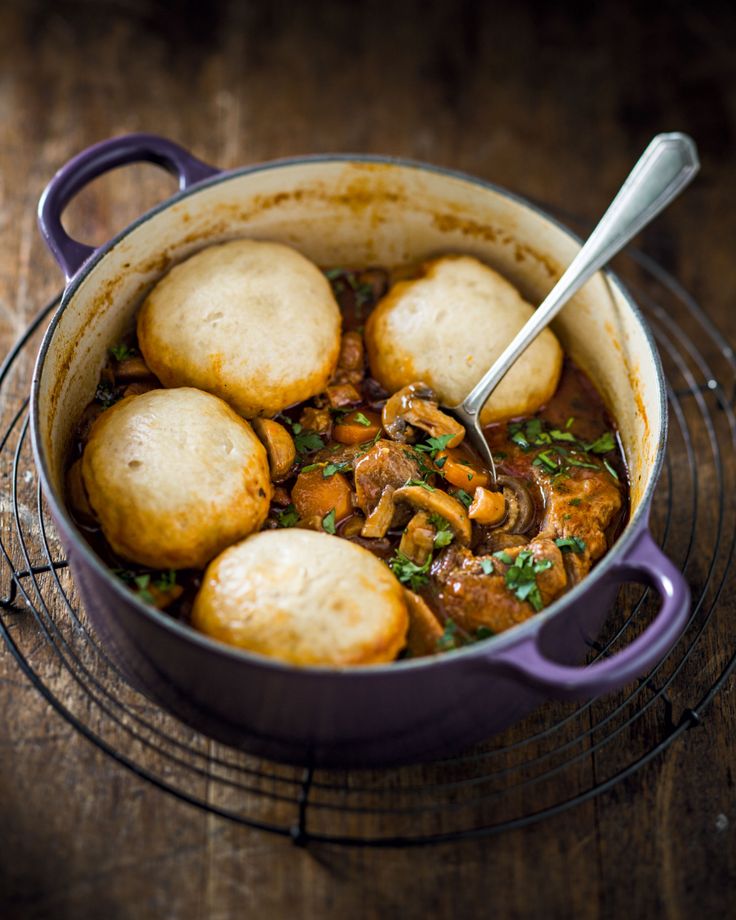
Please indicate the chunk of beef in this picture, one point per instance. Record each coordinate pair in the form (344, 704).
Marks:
(386, 464)
(582, 506)
(473, 598)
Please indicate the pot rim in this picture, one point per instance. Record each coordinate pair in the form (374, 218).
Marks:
(480, 650)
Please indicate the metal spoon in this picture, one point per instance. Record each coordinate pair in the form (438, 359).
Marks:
(668, 164)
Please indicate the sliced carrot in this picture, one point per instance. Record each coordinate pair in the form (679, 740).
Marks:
(315, 496)
(353, 428)
(461, 472)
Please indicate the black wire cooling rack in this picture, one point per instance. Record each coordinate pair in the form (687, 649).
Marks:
(561, 756)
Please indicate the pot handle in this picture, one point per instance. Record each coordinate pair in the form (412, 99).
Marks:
(93, 162)
(645, 563)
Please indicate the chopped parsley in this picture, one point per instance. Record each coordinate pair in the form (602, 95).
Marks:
(409, 572)
(521, 578)
(610, 469)
(559, 447)
(462, 496)
(504, 557)
(361, 419)
(483, 632)
(328, 522)
(306, 441)
(449, 638)
(571, 461)
(142, 582)
(558, 435)
(487, 566)
(288, 517)
(443, 532)
(421, 483)
(424, 469)
(122, 351)
(434, 445)
(575, 502)
(367, 445)
(329, 469)
(571, 544)
(602, 445)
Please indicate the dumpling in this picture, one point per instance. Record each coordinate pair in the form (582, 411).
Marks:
(253, 322)
(304, 597)
(448, 326)
(175, 476)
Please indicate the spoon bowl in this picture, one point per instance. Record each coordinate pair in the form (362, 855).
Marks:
(666, 167)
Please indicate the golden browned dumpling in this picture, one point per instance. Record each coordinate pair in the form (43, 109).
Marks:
(175, 476)
(253, 322)
(304, 597)
(447, 328)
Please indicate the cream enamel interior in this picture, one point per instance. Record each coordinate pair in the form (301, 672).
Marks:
(343, 212)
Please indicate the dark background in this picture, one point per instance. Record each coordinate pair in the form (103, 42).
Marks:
(552, 100)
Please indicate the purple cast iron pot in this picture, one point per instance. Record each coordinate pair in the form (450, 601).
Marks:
(351, 210)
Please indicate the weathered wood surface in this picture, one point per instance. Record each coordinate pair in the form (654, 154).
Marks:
(551, 100)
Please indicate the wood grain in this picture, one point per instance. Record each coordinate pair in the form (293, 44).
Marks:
(551, 100)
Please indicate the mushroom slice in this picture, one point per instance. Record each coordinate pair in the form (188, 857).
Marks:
(417, 541)
(416, 406)
(379, 520)
(520, 510)
(279, 446)
(436, 502)
(487, 507)
(425, 630)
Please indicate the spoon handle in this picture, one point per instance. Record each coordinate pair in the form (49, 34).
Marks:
(668, 164)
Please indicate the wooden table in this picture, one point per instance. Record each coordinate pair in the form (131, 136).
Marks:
(555, 106)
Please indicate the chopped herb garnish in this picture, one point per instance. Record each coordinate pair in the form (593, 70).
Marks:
(462, 496)
(306, 441)
(331, 468)
(521, 578)
(547, 460)
(487, 566)
(362, 420)
(575, 502)
(504, 557)
(424, 468)
(422, 484)
(367, 445)
(449, 638)
(483, 632)
(610, 469)
(434, 445)
(571, 544)
(310, 466)
(288, 517)
(328, 522)
(602, 445)
(332, 273)
(122, 351)
(440, 462)
(558, 435)
(165, 581)
(587, 466)
(409, 572)
(443, 532)
(569, 422)
(142, 582)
